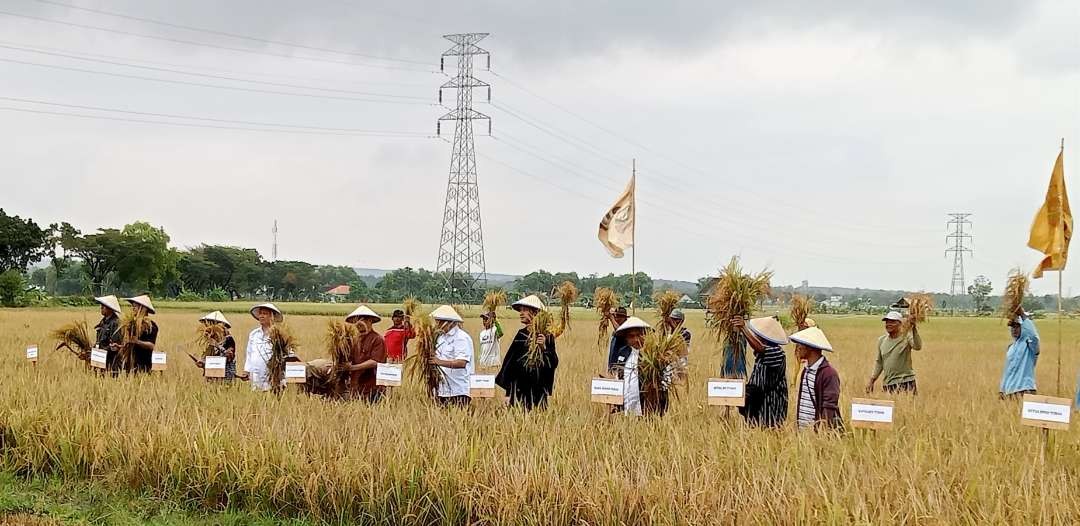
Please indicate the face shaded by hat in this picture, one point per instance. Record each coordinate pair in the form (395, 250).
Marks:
(446, 313)
(813, 338)
(216, 317)
(143, 301)
(532, 301)
(278, 315)
(363, 312)
(109, 302)
(768, 329)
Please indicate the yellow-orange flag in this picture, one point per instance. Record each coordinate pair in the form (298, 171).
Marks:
(617, 226)
(1053, 225)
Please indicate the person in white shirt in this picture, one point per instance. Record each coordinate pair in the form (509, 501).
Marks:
(490, 353)
(633, 332)
(257, 355)
(454, 356)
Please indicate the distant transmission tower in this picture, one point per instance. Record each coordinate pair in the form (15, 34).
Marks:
(958, 242)
(461, 246)
(273, 249)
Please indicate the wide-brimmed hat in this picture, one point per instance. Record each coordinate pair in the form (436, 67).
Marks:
(619, 311)
(677, 314)
(769, 329)
(143, 300)
(531, 301)
(446, 313)
(278, 316)
(633, 322)
(812, 337)
(363, 312)
(893, 316)
(217, 317)
(111, 302)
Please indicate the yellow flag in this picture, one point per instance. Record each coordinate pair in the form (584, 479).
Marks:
(1052, 228)
(617, 226)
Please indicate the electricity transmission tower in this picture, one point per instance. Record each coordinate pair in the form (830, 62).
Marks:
(461, 246)
(273, 250)
(958, 242)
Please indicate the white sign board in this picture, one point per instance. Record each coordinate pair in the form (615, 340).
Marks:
(214, 367)
(482, 386)
(388, 374)
(872, 414)
(157, 361)
(296, 372)
(1046, 412)
(607, 391)
(31, 353)
(98, 358)
(727, 391)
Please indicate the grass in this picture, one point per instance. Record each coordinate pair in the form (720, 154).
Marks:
(81, 448)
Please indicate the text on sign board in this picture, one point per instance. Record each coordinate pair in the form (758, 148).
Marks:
(215, 362)
(871, 413)
(482, 381)
(603, 386)
(1046, 412)
(726, 389)
(31, 353)
(386, 371)
(295, 370)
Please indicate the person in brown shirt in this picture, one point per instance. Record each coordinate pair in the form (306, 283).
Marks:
(368, 352)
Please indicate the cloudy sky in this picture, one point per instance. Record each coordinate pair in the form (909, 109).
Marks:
(825, 140)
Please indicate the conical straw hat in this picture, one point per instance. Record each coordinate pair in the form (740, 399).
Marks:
(218, 317)
(812, 337)
(446, 313)
(633, 322)
(278, 316)
(363, 311)
(111, 302)
(769, 329)
(143, 300)
(529, 301)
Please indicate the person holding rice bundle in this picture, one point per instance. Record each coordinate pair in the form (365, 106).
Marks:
(894, 356)
(259, 349)
(226, 348)
(1018, 376)
(397, 336)
(368, 352)
(615, 346)
(143, 344)
(490, 354)
(107, 337)
(529, 382)
(819, 384)
(636, 401)
(454, 356)
(766, 389)
(676, 322)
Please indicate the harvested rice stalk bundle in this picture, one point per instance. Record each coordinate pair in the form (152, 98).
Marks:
(735, 293)
(418, 364)
(1016, 289)
(132, 326)
(319, 378)
(567, 294)
(209, 337)
(341, 338)
(666, 302)
(494, 299)
(801, 306)
(605, 301)
(282, 345)
(540, 324)
(658, 366)
(920, 306)
(411, 306)
(74, 337)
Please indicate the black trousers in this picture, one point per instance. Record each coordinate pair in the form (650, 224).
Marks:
(458, 401)
(902, 387)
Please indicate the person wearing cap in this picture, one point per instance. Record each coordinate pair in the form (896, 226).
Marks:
(107, 331)
(528, 387)
(676, 321)
(819, 384)
(635, 400)
(368, 352)
(226, 348)
(454, 355)
(894, 356)
(490, 353)
(1018, 376)
(766, 389)
(259, 350)
(398, 335)
(144, 344)
(618, 318)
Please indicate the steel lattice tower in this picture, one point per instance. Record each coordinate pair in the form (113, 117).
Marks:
(957, 243)
(461, 246)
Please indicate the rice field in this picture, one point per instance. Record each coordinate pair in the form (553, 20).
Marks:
(957, 454)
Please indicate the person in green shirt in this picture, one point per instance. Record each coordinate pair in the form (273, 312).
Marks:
(894, 356)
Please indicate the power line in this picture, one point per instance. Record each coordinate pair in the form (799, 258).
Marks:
(232, 35)
(213, 86)
(219, 77)
(215, 46)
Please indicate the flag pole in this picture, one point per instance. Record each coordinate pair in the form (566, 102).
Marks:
(1060, 271)
(633, 235)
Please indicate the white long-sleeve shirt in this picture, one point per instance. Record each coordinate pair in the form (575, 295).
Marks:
(257, 357)
(455, 345)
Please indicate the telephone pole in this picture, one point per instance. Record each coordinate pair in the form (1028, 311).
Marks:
(461, 245)
(958, 242)
(273, 249)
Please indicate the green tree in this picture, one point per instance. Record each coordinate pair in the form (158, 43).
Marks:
(536, 282)
(980, 291)
(144, 259)
(22, 242)
(100, 253)
(12, 285)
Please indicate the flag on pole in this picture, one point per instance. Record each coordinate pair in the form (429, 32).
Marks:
(1052, 228)
(617, 226)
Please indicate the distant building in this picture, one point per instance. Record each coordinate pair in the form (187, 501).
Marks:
(338, 293)
(834, 302)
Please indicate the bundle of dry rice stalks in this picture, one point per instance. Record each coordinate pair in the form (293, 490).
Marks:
(666, 302)
(735, 294)
(132, 326)
(320, 381)
(411, 306)
(418, 364)
(801, 307)
(282, 345)
(658, 366)
(540, 324)
(341, 338)
(567, 293)
(1016, 288)
(605, 301)
(494, 299)
(920, 307)
(209, 337)
(74, 337)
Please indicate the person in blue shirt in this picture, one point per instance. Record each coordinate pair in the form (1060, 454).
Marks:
(1018, 377)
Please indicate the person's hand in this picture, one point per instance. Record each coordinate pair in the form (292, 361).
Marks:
(229, 355)
(870, 385)
(541, 339)
(738, 322)
(434, 361)
(114, 346)
(200, 364)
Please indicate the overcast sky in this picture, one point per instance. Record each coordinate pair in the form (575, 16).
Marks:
(825, 140)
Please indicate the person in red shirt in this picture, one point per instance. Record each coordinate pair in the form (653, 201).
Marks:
(397, 337)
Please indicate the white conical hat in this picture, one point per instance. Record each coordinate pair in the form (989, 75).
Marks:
(278, 316)
(218, 317)
(812, 337)
(633, 322)
(111, 302)
(363, 311)
(446, 313)
(143, 300)
(529, 301)
(769, 329)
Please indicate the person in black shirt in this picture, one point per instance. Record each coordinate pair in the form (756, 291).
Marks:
(107, 337)
(226, 348)
(143, 346)
(526, 386)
